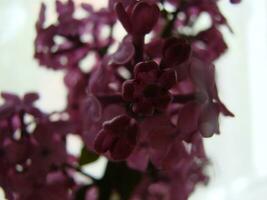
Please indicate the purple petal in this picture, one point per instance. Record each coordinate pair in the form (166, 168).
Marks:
(209, 122)
(87, 7)
(144, 17)
(41, 19)
(175, 52)
(65, 10)
(146, 71)
(121, 149)
(188, 119)
(138, 159)
(123, 17)
(161, 132)
(124, 53)
(168, 79)
(103, 141)
(92, 108)
(30, 98)
(11, 98)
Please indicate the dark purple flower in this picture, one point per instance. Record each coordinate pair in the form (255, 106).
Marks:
(209, 45)
(182, 169)
(140, 17)
(92, 125)
(118, 136)
(203, 75)
(188, 120)
(148, 91)
(175, 52)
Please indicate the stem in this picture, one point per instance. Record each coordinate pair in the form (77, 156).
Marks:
(138, 42)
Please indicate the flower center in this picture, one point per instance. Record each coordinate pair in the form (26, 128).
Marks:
(151, 91)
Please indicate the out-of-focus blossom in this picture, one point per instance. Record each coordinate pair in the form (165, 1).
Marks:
(65, 44)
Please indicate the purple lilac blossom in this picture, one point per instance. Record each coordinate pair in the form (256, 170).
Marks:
(147, 107)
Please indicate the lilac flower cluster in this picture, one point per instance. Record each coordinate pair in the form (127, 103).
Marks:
(146, 107)
(32, 158)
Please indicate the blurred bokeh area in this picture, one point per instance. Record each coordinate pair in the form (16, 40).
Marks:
(238, 156)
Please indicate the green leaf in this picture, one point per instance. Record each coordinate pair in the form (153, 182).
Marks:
(87, 157)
